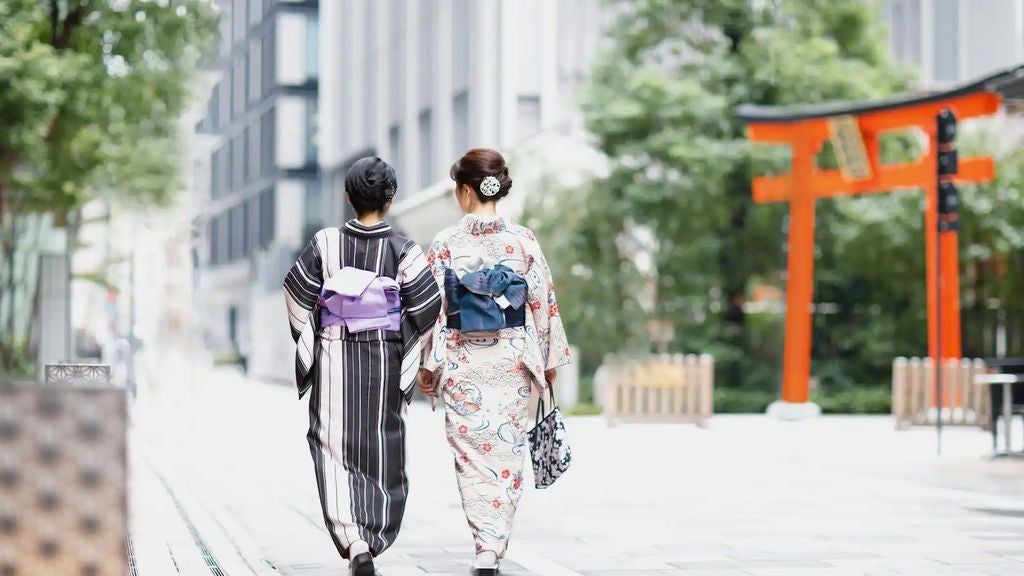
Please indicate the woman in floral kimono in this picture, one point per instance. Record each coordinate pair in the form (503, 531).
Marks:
(485, 378)
(360, 298)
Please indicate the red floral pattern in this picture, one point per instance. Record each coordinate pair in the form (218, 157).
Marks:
(487, 404)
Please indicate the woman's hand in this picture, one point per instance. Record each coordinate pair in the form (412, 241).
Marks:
(426, 381)
(550, 374)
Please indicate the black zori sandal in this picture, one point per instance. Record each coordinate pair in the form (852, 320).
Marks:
(362, 565)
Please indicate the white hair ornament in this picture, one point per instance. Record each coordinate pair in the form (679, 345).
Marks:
(490, 186)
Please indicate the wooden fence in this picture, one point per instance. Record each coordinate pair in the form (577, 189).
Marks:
(913, 393)
(661, 388)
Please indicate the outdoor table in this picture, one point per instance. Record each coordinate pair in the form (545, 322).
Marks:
(1006, 381)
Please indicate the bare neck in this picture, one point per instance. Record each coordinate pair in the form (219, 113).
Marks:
(484, 210)
(370, 219)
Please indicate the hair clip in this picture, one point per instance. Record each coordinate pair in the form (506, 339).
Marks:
(490, 186)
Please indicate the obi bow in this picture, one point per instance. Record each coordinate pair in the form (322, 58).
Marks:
(485, 299)
(360, 300)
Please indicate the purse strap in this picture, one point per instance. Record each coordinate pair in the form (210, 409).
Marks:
(540, 403)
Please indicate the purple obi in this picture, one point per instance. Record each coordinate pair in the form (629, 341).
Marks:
(360, 300)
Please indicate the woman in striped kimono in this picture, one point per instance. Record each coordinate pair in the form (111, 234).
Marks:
(485, 378)
(360, 379)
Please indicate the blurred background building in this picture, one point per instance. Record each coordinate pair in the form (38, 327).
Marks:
(420, 82)
(954, 41)
(257, 168)
(307, 87)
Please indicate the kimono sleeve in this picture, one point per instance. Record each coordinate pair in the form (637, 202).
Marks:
(302, 287)
(554, 345)
(421, 297)
(436, 345)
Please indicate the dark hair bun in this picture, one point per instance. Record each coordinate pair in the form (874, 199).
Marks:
(370, 184)
(477, 164)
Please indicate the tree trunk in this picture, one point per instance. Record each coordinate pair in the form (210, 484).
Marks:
(8, 349)
(734, 272)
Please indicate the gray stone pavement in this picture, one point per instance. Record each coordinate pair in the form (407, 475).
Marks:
(222, 484)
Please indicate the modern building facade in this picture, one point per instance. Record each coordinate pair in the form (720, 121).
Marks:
(306, 87)
(260, 169)
(419, 82)
(954, 41)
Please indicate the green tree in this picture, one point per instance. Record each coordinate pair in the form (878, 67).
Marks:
(90, 96)
(661, 106)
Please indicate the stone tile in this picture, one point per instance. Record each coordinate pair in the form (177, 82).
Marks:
(830, 497)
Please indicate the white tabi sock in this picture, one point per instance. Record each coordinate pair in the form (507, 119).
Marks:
(486, 559)
(358, 547)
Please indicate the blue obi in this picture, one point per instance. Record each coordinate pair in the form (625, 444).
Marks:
(485, 300)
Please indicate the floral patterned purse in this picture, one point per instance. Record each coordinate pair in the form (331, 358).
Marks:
(549, 446)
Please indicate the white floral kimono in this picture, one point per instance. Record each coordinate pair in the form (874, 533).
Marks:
(485, 381)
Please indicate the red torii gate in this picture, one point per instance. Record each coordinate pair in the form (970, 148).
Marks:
(855, 129)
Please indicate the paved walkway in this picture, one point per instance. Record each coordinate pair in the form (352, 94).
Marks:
(223, 485)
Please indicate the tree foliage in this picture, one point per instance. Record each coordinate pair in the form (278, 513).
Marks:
(661, 106)
(87, 85)
(91, 92)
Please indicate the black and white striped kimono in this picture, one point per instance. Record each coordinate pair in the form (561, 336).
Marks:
(359, 382)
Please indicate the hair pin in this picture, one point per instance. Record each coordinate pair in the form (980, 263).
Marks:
(490, 186)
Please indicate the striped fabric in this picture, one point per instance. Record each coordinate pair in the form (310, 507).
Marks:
(358, 382)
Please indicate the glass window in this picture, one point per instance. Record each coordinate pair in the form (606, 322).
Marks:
(215, 175)
(427, 33)
(267, 206)
(233, 225)
(212, 237)
(312, 47)
(240, 86)
(243, 211)
(213, 107)
(311, 131)
(527, 116)
(460, 124)
(255, 11)
(426, 125)
(946, 59)
(229, 169)
(268, 162)
(254, 151)
(246, 156)
(225, 29)
(462, 53)
(398, 40)
(241, 11)
(223, 239)
(395, 149)
(252, 211)
(314, 208)
(370, 104)
(268, 55)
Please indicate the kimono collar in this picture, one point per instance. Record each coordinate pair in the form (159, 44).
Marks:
(377, 230)
(477, 225)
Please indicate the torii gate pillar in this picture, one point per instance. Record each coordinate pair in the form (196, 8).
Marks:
(855, 129)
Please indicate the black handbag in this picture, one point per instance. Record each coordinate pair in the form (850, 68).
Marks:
(549, 446)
